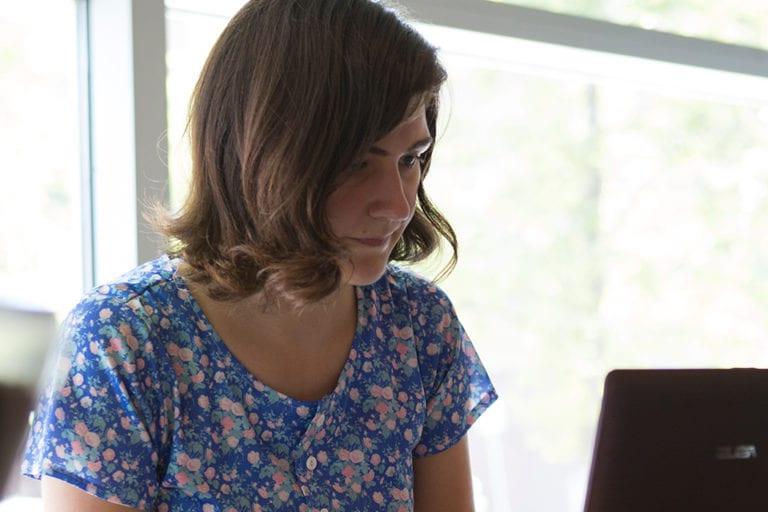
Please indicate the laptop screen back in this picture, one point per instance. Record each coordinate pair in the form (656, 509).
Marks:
(681, 440)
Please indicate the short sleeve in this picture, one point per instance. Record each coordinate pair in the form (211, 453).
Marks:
(97, 423)
(457, 387)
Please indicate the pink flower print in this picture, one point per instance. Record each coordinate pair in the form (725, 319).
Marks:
(371, 425)
(227, 422)
(302, 410)
(193, 465)
(263, 492)
(253, 457)
(375, 459)
(65, 391)
(225, 404)
(165, 323)
(81, 429)
(210, 473)
(279, 478)
(186, 355)
(208, 508)
(432, 349)
(348, 471)
(376, 391)
(322, 457)
(133, 343)
(378, 498)
(182, 459)
(356, 456)
(111, 434)
(118, 476)
(92, 439)
(61, 452)
(203, 487)
(402, 349)
(266, 435)
(356, 488)
(382, 407)
(401, 413)
(59, 413)
(203, 402)
(86, 401)
(344, 454)
(204, 361)
(77, 448)
(105, 314)
(237, 409)
(400, 494)
(387, 393)
(249, 434)
(94, 466)
(232, 441)
(354, 394)
(125, 329)
(368, 477)
(198, 377)
(408, 435)
(108, 454)
(182, 478)
(367, 442)
(129, 367)
(172, 349)
(77, 379)
(390, 424)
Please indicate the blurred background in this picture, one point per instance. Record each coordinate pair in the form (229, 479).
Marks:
(604, 163)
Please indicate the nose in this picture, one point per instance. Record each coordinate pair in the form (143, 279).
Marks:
(390, 194)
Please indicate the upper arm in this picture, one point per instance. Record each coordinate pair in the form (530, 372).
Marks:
(443, 481)
(59, 496)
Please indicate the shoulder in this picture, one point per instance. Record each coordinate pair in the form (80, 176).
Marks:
(138, 295)
(421, 292)
(429, 306)
(122, 318)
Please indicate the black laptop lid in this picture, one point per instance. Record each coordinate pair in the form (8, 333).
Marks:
(681, 440)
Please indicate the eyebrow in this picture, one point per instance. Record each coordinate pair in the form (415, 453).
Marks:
(423, 143)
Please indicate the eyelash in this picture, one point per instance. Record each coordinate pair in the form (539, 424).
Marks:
(421, 159)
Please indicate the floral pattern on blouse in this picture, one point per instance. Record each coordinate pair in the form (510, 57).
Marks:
(146, 406)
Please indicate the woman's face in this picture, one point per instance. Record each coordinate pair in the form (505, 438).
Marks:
(376, 199)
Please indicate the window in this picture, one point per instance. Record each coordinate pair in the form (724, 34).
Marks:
(40, 181)
(739, 22)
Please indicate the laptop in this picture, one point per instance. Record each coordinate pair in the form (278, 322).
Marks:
(681, 440)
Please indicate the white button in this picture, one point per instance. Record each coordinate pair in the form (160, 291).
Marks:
(323, 510)
(305, 490)
(311, 463)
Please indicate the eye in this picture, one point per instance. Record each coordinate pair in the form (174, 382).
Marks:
(411, 160)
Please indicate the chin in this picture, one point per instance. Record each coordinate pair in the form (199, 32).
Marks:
(365, 271)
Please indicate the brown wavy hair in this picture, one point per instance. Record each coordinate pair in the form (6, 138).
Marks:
(292, 93)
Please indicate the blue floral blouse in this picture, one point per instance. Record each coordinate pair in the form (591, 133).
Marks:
(147, 407)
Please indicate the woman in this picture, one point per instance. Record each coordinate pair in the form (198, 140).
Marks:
(274, 358)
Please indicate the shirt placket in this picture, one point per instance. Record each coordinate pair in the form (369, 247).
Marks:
(305, 463)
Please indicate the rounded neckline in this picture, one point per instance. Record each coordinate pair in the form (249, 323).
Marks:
(217, 343)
